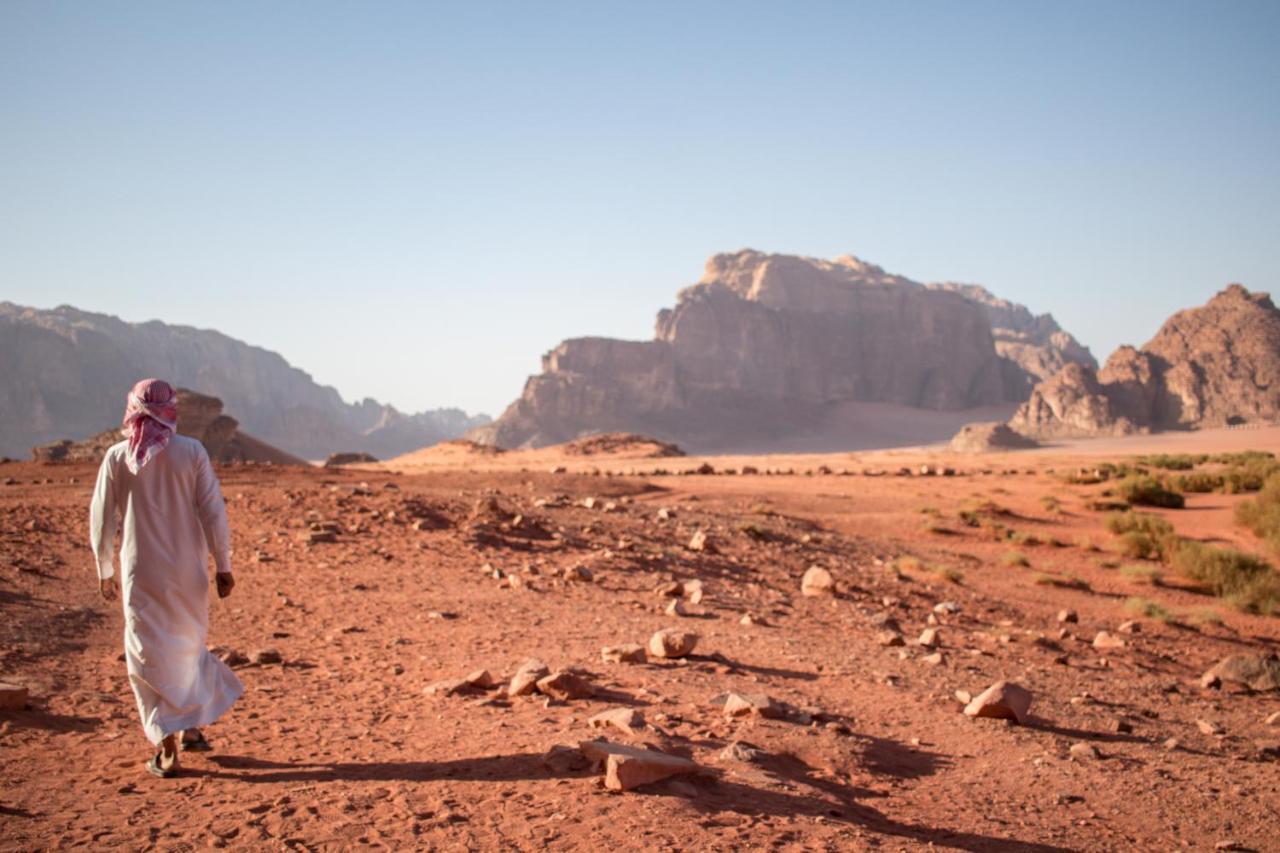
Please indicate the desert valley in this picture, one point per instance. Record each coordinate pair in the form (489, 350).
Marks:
(737, 587)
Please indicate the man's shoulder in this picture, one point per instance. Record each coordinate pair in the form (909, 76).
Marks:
(186, 444)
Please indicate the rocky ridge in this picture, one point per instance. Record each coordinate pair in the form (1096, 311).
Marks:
(67, 372)
(199, 416)
(1212, 366)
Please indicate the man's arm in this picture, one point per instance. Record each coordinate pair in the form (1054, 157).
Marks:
(212, 510)
(103, 516)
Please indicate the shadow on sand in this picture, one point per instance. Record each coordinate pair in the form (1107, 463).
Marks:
(824, 798)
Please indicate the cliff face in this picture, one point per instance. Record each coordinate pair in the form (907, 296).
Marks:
(1210, 366)
(67, 372)
(762, 345)
(1033, 347)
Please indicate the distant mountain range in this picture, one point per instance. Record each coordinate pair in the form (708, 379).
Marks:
(66, 372)
(765, 346)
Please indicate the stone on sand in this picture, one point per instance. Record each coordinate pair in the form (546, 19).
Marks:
(817, 581)
(1068, 616)
(672, 643)
(1257, 672)
(565, 685)
(628, 767)
(929, 638)
(890, 638)
(1084, 751)
(628, 720)
(448, 687)
(1003, 700)
(1209, 728)
(482, 679)
(267, 656)
(13, 697)
(625, 653)
(752, 704)
(1107, 640)
(700, 542)
(525, 681)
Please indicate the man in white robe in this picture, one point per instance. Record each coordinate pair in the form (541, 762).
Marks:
(160, 487)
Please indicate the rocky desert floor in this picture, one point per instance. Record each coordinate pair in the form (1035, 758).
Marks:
(368, 602)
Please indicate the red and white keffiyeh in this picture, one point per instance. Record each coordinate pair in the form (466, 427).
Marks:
(150, 420)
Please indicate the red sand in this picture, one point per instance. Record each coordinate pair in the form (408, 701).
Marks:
(340, 747)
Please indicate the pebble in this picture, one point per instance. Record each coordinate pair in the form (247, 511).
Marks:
(1068, 616)
(672, 643)
(817, 581)
(1084, 750)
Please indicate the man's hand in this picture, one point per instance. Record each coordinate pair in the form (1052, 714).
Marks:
(107, 586)
(226, 582)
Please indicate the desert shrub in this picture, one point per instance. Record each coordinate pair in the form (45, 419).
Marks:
(1202, 616)
(947, 573)
(1061, 581)
(1139, 606)
(1261, 514)
(1051, 503)
(1243, 457)
(1142, 535)
(1197, 482)
(1028, 539)
(907, 564)
(1249, 475)
(1245, 581)
(1139, 490)
(1173, 461)
(1015, 558)
(1140, 573)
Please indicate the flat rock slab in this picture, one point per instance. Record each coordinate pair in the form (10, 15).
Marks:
(757, 704)
(625, 653)
(628, 767)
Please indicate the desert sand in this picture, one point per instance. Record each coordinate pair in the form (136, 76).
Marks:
(455, 560)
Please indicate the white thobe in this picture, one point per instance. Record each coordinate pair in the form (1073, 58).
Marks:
(173, 516)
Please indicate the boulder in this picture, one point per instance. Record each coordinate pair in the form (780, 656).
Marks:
(672, 643)
(1257, 672)
(989, 438)
(1003, 700)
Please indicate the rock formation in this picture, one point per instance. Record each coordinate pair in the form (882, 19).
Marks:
(1033, 347)
(765, 345)
(1217, 365)
(67, 372)
(199, 416)
(990, 437)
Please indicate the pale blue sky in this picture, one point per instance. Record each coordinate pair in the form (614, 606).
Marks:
(414, 200)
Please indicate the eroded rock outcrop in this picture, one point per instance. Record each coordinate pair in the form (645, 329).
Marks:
(1033, 347)
(1216, 365)
(766, 345)
(991, 437)
(199, 416)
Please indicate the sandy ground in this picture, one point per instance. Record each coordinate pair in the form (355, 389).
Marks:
(339, 746)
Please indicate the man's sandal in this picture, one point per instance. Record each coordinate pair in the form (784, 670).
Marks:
(155, 766)
(196, 744)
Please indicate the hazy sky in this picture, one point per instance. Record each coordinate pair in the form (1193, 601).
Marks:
(413, 201)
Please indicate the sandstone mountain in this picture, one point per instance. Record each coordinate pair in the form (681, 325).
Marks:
(66, 373)
(1033, 346)
(199, 416)
(1216, 365)
(768, 345)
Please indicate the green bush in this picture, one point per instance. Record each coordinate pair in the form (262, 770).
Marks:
(1245, 581)
(1013, 558)
(1142, 490)
(1142, 535)
(1250, 474)
(1141, 574)
(1197, 482)
(1261, 514)
(1148, 608)
(1173, 462)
